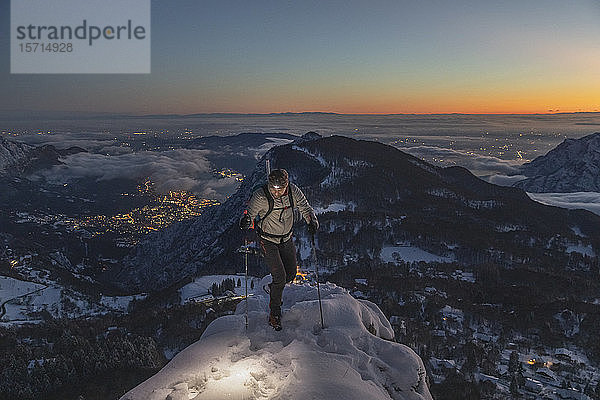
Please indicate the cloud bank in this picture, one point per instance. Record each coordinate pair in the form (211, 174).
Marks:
(504, 180)
(476, 163)
(273, 142)
(585, 200)
(180, 169)
(95, 142)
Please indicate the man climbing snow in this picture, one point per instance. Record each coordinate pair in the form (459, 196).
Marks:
(272, 206)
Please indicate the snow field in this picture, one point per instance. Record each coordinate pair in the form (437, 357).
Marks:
(11, 287)
(23, 298)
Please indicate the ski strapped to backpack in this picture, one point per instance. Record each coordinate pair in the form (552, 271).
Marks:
(271, 201)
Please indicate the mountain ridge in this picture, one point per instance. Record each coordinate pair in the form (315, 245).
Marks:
(572, 166)
(412, 199)
(21, 158)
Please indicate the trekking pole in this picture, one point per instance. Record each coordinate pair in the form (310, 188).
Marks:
(246, 250)
(317, 273)
(246, 278)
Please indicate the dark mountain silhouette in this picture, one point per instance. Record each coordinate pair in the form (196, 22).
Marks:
(18, 158)
(391, 197)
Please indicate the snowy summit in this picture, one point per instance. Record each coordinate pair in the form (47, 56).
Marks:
(570, 167)
(343, 361)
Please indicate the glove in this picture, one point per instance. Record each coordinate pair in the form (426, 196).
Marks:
(245, 222)
(313, 225)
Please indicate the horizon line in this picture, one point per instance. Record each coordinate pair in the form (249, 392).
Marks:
(180, 115)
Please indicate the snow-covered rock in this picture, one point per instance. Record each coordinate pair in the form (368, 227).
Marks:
(572, 166)
(569, 322)
(17, 158)
(343, 361)
(12, 153)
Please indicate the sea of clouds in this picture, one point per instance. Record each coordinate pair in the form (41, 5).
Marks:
(491, 147)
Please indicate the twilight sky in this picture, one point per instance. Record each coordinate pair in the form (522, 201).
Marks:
(341, 56)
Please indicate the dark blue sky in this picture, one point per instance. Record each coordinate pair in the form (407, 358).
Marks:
(342, 56)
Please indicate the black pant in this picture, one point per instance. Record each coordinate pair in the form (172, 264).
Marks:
(281, 260)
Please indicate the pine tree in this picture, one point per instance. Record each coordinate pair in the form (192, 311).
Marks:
(596, 395)
(215, 289)
(513, 363)
(514, 387)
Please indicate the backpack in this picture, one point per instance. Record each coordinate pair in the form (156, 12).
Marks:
(271, 201)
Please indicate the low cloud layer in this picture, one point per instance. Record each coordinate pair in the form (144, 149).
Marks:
(91, 141)
(504, 173)
(476, 163)
(108, 158)
(180, 169)
(504, 180)
(585, 200)
(260, 151)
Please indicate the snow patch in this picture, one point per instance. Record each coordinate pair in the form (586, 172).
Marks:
(335, 207)
(273, 142)
(201, 286)
(410, 254)
(509, 228)
(317, 157)
(443, 193)
(25, 301)
(577, 230)
(454, 314)
(569, 322)
(463, 276)
(581, 249)
(479, 204)
(338, 174)
(120, 303)
(475, 204)
(11, 287)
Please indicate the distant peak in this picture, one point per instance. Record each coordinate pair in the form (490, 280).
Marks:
(570, 167)
(311, 136)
